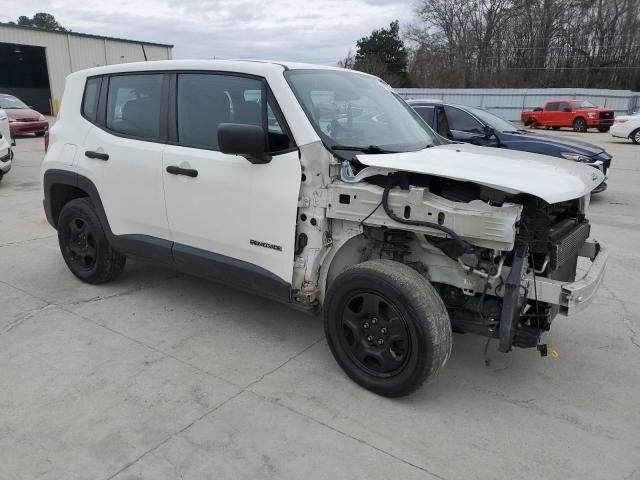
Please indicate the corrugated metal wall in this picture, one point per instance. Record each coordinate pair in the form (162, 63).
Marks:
(67, 53)
(509, 102)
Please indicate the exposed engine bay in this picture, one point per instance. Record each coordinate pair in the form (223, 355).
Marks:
(488, 253)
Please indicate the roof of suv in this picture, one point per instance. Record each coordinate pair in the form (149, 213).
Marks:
(253, 66)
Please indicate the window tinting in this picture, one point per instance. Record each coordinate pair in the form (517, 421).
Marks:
(90, 102)
(207, 100)
(552, 107)
(133, 105)
(426, 113)
(462, 121)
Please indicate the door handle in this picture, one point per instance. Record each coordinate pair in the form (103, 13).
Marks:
(96, 155)
(189, 172)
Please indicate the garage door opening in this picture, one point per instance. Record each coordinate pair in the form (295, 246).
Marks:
(24, 74)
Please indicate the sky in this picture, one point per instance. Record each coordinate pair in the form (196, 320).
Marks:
(314, 31)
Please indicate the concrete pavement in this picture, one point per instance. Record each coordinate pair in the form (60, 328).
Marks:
(161, 376)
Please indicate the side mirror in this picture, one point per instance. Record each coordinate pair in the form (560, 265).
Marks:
(566, 109)
(248, 141)
(488, 132)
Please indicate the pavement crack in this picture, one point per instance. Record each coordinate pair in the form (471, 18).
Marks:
(352, 437)
(174, 434)
(293, 357)
(8, 244)
(24, 318)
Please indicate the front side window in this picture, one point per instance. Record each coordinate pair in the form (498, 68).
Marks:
(494, 121)
(462, 121)
(564, 107)
(583, 104)
(204, 101)
(133, 105)
(349, 109)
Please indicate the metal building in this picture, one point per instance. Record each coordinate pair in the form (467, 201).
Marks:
(34, 62)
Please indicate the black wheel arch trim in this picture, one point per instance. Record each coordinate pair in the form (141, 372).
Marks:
(202, 263)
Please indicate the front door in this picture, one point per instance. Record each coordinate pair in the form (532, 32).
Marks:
(230, 219)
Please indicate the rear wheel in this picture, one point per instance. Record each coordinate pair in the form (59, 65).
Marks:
(635, 136)
(84, 244)
(603, 129)
(579, 125)
(387, 327)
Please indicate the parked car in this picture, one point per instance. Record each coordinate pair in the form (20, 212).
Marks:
(480, 127)
(579, 114)
(6, 142)
(397, 235)
(22, 118)
(627, 126)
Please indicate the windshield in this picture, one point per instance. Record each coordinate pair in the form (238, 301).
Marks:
(352, 110)
(492, 120)
(582, 104)
(9, 102)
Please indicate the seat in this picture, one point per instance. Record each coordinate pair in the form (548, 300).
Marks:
(199, 116)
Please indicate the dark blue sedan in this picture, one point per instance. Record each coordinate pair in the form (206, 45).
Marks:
(480, 127)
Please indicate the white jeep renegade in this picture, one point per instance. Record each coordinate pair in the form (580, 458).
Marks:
(319, 187)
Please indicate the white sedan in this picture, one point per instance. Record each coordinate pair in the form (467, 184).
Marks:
(627, 126)
(6, 154)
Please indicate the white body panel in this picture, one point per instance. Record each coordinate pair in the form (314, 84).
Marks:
(5, 142)
(624, 130)
(514, 172)
(232, 202)
(129, 183)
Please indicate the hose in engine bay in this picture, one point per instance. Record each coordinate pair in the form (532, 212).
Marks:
(402, 181)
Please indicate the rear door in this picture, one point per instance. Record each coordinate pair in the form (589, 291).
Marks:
(550, 115)
(231, 220)
(122, 155)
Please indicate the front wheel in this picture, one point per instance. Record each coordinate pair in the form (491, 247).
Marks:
(603, 129)
(635, 136)
(84, 244)
(387, 327)
(579, 125)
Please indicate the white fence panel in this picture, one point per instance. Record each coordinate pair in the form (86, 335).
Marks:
(510, 102)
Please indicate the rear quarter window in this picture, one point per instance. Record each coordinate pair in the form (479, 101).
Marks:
(90, 99)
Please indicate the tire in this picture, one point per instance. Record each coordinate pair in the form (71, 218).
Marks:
(84, 244)
(387, 327)
(635, 136)
(580, 125)
(534, 123)
(603, 129)
(39, 134)
(1, 175)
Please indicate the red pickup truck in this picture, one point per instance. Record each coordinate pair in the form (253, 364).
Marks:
(579, 114)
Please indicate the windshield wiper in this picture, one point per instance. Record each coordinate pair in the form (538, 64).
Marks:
(369, 149)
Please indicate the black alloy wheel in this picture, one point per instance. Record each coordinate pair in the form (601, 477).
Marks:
(374, 334)
(81, 244)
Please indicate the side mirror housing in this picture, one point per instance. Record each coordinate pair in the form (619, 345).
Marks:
(488, 132)
(245, 140)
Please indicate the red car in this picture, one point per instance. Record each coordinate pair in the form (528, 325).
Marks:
(22, 119)
(579, 114)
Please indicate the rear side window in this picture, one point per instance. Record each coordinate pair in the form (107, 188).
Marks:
(90, 101)
(133, 105)
(552, 107)
(426, 113)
